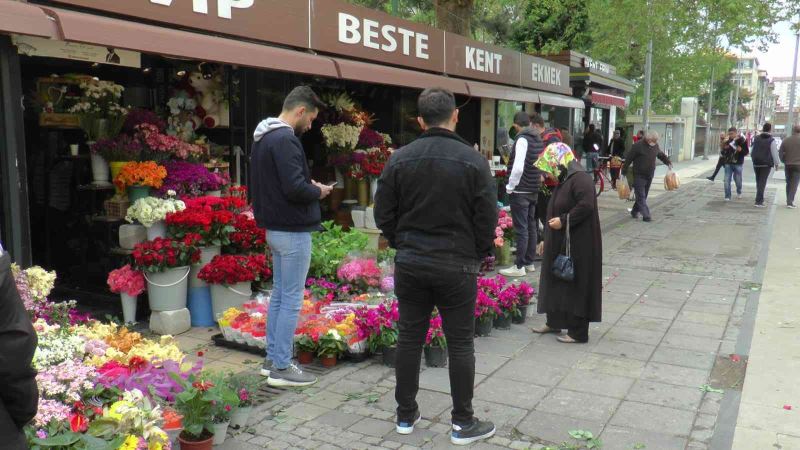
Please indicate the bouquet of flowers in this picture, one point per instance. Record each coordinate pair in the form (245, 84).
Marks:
(341, 138)
(361, 274)
(162, 254)
(189, 179)
(99, 110)
(126, 280)
(246, 236)
(209, 217)
(232, 269)
(131, 423)
(56, 347)
(120, 148)
(150, 210)
(146, 173)
(376, 160)
(505, 229)
(138, 116)
(435, 336)
(160, 147)
(66, 382)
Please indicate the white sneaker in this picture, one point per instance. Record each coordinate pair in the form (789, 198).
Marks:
(530, 268)
(513, 271)
(727, 199)
(738, 196)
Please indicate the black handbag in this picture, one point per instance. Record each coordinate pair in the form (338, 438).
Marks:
(563, 267)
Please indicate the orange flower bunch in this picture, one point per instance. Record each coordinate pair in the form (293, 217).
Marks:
(146, 173)
(124, 340)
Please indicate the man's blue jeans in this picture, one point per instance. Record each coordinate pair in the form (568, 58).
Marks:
(291, 257)
(733, 171)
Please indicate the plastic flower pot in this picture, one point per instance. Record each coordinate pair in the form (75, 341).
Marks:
(435, 356)
(157, 230)
(206, 255)
(483, 326)
(128, 307)
(389, 356)
(220, 432)
(304, 357)
(363, 192)
(116, 167)
(138, 192)
(240, 416)
(224, 296)
(504, 254)
(99, 170)
(206, 444)
(167, 290)
(523, 315)
(503, 321)
(328, 361)
(130, 235)
(199, 304)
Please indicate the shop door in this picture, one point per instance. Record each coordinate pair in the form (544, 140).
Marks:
(668, 141)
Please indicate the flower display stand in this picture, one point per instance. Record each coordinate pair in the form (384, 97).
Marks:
(373, 236)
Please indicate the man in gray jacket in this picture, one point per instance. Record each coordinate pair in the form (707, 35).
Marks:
(790, 157)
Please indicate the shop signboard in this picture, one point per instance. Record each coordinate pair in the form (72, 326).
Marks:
(35, 46)
(277, 21)
(472, 59)
(363, 33)
(545, 75)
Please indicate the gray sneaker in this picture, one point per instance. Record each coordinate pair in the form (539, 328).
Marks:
(266, 368)
(291, 376)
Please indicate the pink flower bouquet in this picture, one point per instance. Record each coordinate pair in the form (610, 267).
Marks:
(126, 280)
(504, 230)
(362, 274)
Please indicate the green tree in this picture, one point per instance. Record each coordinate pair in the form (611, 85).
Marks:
(550, 26)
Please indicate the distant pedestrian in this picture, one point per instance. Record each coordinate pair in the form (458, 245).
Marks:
(570, 305)
(592, 146)
(437, 206)
(638, 136)
(790, 157)
(566, 137)
(642, 157)
(19, 395)
(523, 186)
(732, 151)
(720, 160)
(616, 151)
(286, 204)
(765, 157)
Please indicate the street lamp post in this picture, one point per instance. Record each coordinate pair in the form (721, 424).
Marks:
(648, 74)
(710, 110)
(792, 87)
(736, 98)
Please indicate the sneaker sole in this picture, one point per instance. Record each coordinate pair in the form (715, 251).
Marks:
(408, 430)
(280, 382)
(467, 441)
(265, 373)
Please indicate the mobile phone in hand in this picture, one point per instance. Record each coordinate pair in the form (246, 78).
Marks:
(332, 184)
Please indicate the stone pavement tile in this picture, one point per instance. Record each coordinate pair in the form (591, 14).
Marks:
(750, 439)
(615, 437)
(647, 310)
(615, 307)
(681, 376)
(579, 405)
(715, 299)
(724, 289)
(564, 355)
(554, 428)
(232, 444)
(712, 308)
(779, 420)
(699, 344)
(416, 439)
(517, 332)
(222, 366)
(668, 293)
(531, 371)
(347, 386)
(486, 363)
(727, 347)
(508, 392)
(549, 342)
(786, 441)
(625, 367)
(327, 399)
(704, 318)
(684, 357)
(624, 349)
(679, 397)
(338, 419)
(372, 373)
(637, 335)
(652, 418)
(505, 417)
(372, 427)
(499, 347)
(647, 323)
(698, 329)
(438, 379)
(305, 411)
(597, 383)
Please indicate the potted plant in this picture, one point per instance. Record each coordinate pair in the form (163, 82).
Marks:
(435, 343)
(151, 212)
(331, 346)
(129, 284)
(485, 311)
(165, 265)
(525, 293)
(386, 342)
(189, 180)
(306, 348)
(231, 278)
(504, 236)
(507, 303)
(196, 407)
(139, 177)
(224, 401)
(245, 386)
(362, 274)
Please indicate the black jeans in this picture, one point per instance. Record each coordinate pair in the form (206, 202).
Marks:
(614, 176)
(762, 175)
(523, 213)
(792, 180)
(720, 165)
(418, 290)
(577, 327)
(541, 209)
(641, 186)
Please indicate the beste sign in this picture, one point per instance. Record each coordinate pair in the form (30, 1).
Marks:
(371, 34)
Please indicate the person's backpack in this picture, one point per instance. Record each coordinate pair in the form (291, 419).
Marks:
(762, 151)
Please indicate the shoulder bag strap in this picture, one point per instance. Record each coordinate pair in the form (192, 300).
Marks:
(569, 251)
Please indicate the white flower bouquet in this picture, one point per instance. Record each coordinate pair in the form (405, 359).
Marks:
(150, 210)
(342, 138)
(100, 112)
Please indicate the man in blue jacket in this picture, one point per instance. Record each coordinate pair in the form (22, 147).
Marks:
(286, 204)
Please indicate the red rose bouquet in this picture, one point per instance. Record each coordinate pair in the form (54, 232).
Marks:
(212, 218)
(246, 237)
(162, 254)
(233, 269)
(376, 160)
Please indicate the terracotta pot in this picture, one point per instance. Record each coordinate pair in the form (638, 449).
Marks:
(205, 444)
(328, 361)
(305, 357)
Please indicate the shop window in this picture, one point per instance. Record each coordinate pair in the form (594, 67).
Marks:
(505, 120)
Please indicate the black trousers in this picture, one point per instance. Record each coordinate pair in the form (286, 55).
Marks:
(541, 210)
(762, 175)
(614, 176)
(641, 186)
(792, 181)
(526, 227)
(418, 290)
(577, 327)
(720, 165)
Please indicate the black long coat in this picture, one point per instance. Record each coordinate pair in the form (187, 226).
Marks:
(582, 297)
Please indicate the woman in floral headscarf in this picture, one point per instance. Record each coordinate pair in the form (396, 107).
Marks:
(570, 305)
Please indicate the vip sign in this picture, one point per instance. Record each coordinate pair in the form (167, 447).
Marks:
(387, 38)
(224, 7)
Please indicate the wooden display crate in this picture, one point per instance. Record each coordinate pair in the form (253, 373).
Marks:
(117, 208)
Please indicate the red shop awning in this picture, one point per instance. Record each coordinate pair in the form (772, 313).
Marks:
(22, 18)
(599, 98)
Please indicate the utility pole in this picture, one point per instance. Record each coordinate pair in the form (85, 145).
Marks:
(736, 99)
(730, 108)
(710, 110)
(648, 71)
(792, 87)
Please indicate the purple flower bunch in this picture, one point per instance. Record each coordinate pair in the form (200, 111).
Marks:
(322, 289)
(138, 116)
(66, 381)
(155, 380)
(486, 306)
(387, 284)
(120, 148)
(188, 180)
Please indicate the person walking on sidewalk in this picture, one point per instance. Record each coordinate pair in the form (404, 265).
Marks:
(592, 146)
(642, 157)
(765, 157)
(573, 220)
(732, 151)
(286, 204)
(19, 395)
(436, 204)
(790, 157)
(616, 151)
(720, 160)
(523, 190)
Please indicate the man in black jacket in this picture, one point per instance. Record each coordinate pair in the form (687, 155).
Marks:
(732, 151)
(437, 205)
(286, 204)
(765, 157)
(523, 190)
(642, 156)
(19, 396)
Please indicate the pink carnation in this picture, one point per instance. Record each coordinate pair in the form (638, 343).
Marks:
(126, 280)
